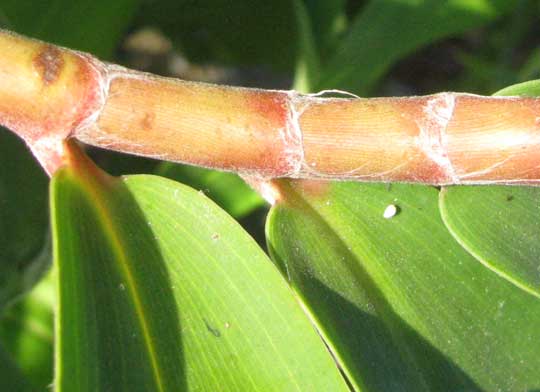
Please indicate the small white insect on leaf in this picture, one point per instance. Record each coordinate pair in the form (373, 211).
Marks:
(390, 211)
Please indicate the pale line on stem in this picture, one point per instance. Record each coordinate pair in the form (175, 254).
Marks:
(433, 139)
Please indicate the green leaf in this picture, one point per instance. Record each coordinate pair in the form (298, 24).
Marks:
(26, 332)
(228, 190)
(160, 290)
(525, 89)
(398, 301)
(93, 26)
(23, 218)
(500, 226)
(387, 30)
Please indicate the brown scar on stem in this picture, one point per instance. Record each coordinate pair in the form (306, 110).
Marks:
(147, 122)
(49, 63)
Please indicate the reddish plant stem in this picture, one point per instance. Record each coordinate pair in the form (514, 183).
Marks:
(46, 93)
(441, 139)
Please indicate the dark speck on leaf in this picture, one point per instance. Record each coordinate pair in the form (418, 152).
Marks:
(214, 331)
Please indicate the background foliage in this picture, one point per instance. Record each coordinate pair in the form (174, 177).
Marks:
(156, 287)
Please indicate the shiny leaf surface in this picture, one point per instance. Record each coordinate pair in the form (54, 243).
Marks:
(500, 226)
(228, 190)
(160, 290)
(399, 301)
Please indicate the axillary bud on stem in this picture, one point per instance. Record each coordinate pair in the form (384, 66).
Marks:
(48, 94)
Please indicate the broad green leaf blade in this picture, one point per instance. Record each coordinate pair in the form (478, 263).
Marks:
(160, 290)
(23, 218)
(26, 332)
(500, 226)
(401, 304)
(387, 30)
(228, 190)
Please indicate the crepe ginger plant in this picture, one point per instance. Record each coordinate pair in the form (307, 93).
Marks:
(402, 238)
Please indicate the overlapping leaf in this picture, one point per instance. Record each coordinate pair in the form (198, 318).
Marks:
(500, 226)
(161, 290)
(399, 301)
(402, 305)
